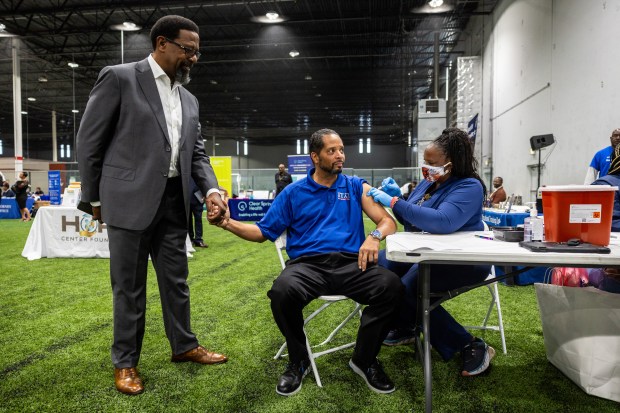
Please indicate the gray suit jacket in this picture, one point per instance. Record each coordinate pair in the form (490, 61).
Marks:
(123, 147)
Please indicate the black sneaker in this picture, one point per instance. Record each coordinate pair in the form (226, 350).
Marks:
(477, 357)
(375, 377)
(400, 336)
(290, 380)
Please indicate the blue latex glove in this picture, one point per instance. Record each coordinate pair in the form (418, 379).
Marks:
(390, 187)
(380, 197)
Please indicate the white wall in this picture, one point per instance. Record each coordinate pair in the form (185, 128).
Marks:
(549, 67)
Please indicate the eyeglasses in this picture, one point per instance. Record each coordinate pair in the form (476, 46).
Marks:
(189, 52)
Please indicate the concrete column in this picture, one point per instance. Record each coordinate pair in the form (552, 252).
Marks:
(17, 105)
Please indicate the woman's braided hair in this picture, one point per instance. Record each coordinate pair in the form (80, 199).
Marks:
(457, 147)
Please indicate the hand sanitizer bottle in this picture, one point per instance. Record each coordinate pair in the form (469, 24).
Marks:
(533, 226)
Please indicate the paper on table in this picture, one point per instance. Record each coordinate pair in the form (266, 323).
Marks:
(404, 241)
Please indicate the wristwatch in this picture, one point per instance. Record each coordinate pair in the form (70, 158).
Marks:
(376, 234)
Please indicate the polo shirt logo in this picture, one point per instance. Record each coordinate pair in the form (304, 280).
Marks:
(344, 196)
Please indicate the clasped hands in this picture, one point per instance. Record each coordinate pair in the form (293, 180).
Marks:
(217, 209)
(389, 189)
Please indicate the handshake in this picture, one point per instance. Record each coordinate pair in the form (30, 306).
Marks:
(217, 210)
(384, 194)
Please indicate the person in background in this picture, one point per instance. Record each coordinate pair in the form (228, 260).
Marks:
(139, 143)
(602, 159)
(499, 194)
(408, 188)
(1, 184)
(194, 225)
(6, 191)
(448, 200)
(329, 254)
(20, 188)
(613, 179)
(283, 179)
(39, 191)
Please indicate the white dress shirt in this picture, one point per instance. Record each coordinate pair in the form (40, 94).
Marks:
(171, 101)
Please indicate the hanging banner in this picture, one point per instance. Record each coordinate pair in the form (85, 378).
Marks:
(472, 129)
(299, 165)
(222, 166)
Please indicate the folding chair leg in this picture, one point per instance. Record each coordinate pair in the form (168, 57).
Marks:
(315, 371)
(344, 322)
(500, 327)
(279, 353)
(314, 355)
(491, 304)
(499, 316)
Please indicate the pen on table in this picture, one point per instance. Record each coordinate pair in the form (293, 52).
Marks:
(484, 237)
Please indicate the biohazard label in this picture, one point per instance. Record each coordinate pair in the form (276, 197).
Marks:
(585, 214)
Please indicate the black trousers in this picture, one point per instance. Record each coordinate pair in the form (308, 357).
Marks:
(195, 222)
(306, 278)
(164, 240)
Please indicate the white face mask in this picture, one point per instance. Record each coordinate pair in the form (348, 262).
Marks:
(433, 173)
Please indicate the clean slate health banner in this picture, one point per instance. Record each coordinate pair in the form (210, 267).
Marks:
(243, 209)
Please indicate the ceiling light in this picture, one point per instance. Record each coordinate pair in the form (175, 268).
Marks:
(270, 17)
(318, 95)
(24, 112)
(73, 65)
(75, 111)
(435, 3)
(293, 53)
(126, 27)
(308, 77)
(237, 98)
(31, 99)
(3, 32)
(42, 79)
(213, 82)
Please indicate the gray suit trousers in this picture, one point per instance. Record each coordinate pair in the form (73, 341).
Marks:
(164, 239)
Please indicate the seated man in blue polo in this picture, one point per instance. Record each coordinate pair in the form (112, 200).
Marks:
(329, 254)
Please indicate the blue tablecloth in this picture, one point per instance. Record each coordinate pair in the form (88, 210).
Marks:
(9, 209)
(243, 209)
(502, 219)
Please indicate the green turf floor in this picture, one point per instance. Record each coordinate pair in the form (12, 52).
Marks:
(56, 328)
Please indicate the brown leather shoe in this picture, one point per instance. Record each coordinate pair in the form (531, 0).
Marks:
(200, 244)
(200, 355)
(128, 381)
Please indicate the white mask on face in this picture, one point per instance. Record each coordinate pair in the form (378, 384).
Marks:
(432, 173)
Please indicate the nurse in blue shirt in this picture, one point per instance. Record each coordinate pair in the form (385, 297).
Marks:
(448, 200)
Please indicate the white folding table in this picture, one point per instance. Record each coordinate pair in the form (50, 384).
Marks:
(467, 248)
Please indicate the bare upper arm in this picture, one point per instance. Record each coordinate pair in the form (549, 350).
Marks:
(375, 211)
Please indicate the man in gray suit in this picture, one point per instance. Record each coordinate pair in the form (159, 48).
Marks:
(139, 144)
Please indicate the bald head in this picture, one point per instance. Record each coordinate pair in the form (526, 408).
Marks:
(615, 137)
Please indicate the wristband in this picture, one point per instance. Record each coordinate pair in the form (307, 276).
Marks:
(393, 202)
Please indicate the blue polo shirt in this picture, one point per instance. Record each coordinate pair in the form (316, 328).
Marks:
(602, 160)
(318, 219)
